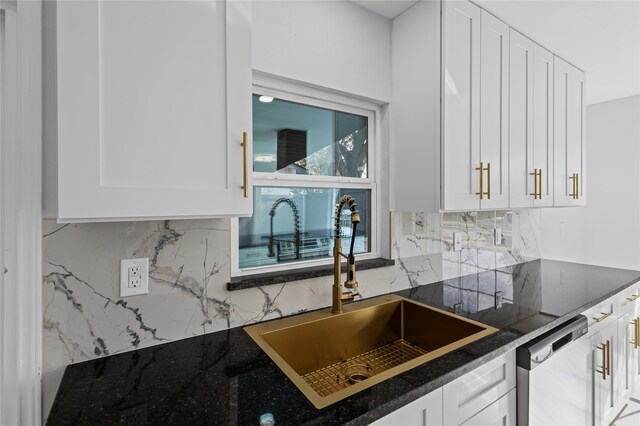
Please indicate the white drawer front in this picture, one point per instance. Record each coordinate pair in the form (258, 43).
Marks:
(477, 389)
(629, 300)
(602, 314)
(500, 413)
(425, 411)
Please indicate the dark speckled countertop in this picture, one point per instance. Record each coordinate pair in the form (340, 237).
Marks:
(225, 378)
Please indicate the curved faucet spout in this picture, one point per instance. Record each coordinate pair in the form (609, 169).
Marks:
(355, 216)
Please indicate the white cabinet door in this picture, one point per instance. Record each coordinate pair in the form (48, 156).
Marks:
(494, 112)
(520, 118)
(628, 369)
(627, 354)
(576, 114)
(425, 411)
(542, 93)
(461, 106)
(153, 100)
(500, 413)
(602, 364)
(568, 136)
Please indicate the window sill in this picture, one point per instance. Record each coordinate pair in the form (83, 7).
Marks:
(269, 278)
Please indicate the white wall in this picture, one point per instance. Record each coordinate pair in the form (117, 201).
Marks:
(334, 44)
(607, 230)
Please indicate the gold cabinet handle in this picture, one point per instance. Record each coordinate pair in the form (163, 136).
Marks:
(245, 174)
(636, 333)
(488, 181)
(535, 183)
(540, 184)
(577, 190)
(604, 347)
(481, 169)
(633, 297)
(608, 358)
(574, 179)
(604, 315)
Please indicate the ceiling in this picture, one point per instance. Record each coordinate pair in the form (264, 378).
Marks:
(602, 37)
(387, 8)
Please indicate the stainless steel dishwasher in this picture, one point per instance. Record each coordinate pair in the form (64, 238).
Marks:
(552, 376)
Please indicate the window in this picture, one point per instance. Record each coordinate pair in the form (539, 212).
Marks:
(308, 151)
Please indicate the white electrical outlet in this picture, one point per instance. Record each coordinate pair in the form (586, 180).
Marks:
(457, 241)
(134, 277)
(497, 236)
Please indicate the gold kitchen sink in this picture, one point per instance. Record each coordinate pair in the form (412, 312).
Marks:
(332, 356)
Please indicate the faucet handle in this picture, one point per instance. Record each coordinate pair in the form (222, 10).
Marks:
(348, 296)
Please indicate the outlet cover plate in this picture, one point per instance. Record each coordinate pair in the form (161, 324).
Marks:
(457, 241)
(134, 277)
(497, 236)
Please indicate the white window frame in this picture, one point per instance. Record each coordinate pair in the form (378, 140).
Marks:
(322, 98)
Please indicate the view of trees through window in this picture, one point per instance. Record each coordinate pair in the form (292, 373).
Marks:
(293, 220)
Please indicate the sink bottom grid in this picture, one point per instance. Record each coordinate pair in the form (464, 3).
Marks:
(341, 375)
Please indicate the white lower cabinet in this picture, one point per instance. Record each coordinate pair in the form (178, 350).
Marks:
(484, 396)
(602, 360)
(502, 412)
(613, 356)
(628, 366)
(425, 411)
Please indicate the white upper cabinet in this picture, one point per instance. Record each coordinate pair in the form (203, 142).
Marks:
(530, 123)
(475, 131)
(542, 93)
(153, 99)
(569, 140)
(461, 107)
(520, 119)
(490, 105)
(494, 112)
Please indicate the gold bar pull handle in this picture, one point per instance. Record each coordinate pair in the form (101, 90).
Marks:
(488, 181)
(633, 297)
(245, 174)
(577, 190)
(604, 315)
(608, 357)
(481, 169)
(603, 370)
(535, 183)
(573, 186)
(636, 328)
(540, 184)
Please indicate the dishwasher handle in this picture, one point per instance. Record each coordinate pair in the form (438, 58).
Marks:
(542, 348)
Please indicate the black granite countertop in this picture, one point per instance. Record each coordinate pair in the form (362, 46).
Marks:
(225, 378)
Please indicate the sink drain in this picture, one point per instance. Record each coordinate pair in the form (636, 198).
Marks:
(356, 373)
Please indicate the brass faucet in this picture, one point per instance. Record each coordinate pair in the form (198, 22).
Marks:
(338, 295)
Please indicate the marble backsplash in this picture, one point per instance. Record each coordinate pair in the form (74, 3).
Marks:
(84, 317)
